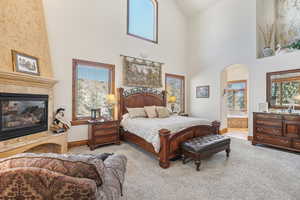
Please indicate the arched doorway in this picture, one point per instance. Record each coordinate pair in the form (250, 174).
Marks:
(235, 101)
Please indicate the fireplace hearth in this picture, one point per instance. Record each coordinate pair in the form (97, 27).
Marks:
(22, 114)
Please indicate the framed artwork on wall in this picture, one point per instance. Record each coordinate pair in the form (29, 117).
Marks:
(202, 91)
(25, 63)
(263, 107)
(142, 73)
(278, 27)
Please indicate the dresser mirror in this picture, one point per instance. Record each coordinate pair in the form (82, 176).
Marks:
(283, 89)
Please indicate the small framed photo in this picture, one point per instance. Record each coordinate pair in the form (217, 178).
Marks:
(263, 107)
(202, 91)
(25, 63)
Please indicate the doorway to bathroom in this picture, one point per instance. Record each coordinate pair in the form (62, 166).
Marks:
(235, 100)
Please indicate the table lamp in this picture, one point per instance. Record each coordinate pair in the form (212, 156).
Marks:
(172, 101)
(111, 100)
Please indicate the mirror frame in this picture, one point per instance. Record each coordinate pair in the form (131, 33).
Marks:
(269, 74)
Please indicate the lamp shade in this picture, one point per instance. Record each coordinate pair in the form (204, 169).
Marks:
(172, 99)
(111, 99)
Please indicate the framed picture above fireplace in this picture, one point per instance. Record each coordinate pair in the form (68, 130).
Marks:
(22, 114)
(25, 63)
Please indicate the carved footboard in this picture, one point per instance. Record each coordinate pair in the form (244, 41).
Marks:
(170, 143)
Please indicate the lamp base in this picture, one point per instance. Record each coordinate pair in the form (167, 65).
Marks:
(172, 108)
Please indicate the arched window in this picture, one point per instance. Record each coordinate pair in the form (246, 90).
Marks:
(142, 19)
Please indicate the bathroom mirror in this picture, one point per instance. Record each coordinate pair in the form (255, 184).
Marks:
(283, 89)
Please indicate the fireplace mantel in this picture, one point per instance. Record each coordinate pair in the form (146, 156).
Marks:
(16, 78)
(19, 83)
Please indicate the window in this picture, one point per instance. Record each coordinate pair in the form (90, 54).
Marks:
(175, 86)
(92, 82)
(237, 97)
(142, 19)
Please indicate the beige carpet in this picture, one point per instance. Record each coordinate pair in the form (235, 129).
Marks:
(237, 134)
(251, 173)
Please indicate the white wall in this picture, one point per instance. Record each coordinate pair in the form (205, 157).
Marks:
(221, 36)
(95, 30)
(237, 72)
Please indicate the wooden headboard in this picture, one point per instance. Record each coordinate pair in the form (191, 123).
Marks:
(138, 98)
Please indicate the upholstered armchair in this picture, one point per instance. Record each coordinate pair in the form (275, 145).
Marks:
(58, 177)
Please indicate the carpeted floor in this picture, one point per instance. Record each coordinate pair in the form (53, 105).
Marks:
(237, 133)
(251, 173)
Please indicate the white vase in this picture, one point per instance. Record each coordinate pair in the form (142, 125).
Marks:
(267, 52)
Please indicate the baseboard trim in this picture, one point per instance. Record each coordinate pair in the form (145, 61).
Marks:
(223, 131)
(77, 143)
(250, 138)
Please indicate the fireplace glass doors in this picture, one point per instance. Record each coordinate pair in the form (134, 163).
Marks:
(22, 114)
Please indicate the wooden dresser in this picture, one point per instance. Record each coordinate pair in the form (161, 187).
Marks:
(278, 130)
(101, 133)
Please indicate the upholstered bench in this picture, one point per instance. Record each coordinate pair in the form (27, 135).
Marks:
(201, 147)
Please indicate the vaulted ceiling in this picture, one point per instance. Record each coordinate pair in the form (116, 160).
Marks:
(191, 7)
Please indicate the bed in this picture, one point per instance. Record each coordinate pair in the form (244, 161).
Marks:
(165, 143)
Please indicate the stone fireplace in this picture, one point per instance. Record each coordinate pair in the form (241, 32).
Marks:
(26, 113)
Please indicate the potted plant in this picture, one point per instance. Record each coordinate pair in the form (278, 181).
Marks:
(294, 45)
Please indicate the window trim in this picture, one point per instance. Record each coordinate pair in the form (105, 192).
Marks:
(182, 78)
(82, 121)
(237, 90)
(155, 4)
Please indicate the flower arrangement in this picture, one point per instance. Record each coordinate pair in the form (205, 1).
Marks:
(267, 33)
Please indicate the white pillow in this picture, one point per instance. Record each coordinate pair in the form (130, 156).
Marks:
(151, 111)
(162, 112)
(136, 112)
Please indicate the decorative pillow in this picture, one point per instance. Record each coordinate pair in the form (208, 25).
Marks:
(136, 112)
(126, 116)
(80, 166)
(151, 111)
(162, 112)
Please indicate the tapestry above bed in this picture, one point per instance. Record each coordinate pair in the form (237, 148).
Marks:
(142, 73)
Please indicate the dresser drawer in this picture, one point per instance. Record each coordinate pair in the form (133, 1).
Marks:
(275, 140)
(296, 143)
(274, 122)
(104, 132)
(268, 116)
(105, 125)
(106, 139)
(269, 130)
(292, 117)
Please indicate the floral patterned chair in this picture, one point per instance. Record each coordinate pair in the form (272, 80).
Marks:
(59, 177)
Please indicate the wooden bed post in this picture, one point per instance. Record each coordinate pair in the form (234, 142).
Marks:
(164, 93)
(120, 100)
(216, 127)
(164, 161)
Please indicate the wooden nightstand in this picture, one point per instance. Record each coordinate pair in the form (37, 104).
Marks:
(102, 133)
